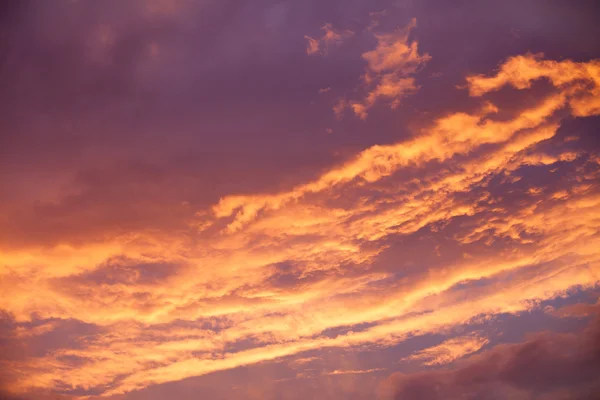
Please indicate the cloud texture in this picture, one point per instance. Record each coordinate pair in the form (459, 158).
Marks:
(181, 214)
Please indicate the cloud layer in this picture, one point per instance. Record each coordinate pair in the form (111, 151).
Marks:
(184, 229)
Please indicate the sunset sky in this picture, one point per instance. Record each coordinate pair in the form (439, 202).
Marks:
(299, 199)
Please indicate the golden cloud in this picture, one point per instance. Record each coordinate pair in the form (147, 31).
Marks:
(278, 270)
(389, 71)
(450, 350)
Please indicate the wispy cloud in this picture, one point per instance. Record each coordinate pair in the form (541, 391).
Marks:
(353, 372)
(449, 350)
(331, 38)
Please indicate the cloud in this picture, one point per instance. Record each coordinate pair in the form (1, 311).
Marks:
(390, 67)
(331, 38)
(305, 360)
(353, 372)
(579, 310)
(509, 301)
(124, 272)
(394, 52)
(273, 275)
(459, 133)
(565, 365)
(521, 71)
(450, 350)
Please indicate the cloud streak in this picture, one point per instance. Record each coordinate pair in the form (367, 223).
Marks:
(449, 351)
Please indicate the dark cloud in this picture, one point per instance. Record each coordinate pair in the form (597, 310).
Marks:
(547, 363)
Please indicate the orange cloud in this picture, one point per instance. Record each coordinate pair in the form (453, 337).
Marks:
(331, 38)
(353, 372)
(450, 350)
(390, 67)
(279, 270)
(521, 71)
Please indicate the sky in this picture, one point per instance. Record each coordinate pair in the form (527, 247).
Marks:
(309, 199)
